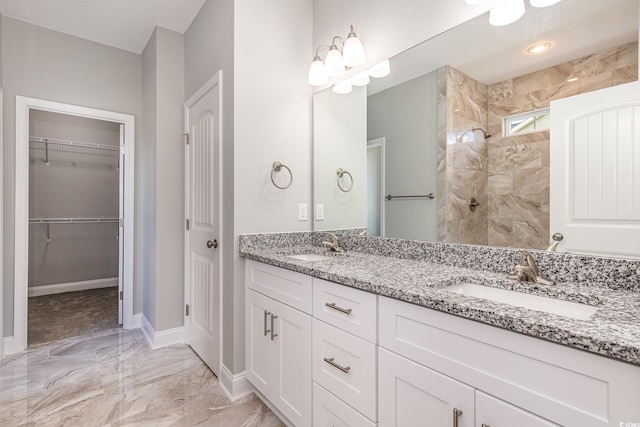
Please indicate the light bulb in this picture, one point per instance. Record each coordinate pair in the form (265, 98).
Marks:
(334, 62)
(380, 70)
(360, 79)
(353, 51)
(318, 73)
(342, 87)
(543, 3)
(507, 12)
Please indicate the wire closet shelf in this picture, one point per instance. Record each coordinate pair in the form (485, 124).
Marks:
(72, 220)
(75, 144)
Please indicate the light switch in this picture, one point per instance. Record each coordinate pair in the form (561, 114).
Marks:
(319, 211)
(302, 212)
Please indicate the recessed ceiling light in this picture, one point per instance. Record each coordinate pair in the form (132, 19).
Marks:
(538, 47)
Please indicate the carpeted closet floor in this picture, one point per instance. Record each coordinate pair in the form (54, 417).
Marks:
(58, 316)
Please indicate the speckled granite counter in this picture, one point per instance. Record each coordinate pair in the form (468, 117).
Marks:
(614, 331)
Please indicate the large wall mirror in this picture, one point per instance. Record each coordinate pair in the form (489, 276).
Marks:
(453, 145)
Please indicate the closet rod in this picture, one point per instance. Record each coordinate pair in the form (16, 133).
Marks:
(70, 220)
(78, 144)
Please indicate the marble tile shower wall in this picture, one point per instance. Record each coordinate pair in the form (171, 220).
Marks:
(586, 270)
(518, 166)
(466, 158)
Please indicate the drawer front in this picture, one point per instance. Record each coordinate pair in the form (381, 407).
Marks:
(349, 309)
(556, 382)
(329, 411)
(288, 287)
(346, 366)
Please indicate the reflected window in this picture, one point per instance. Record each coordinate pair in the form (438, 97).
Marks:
(532, 121)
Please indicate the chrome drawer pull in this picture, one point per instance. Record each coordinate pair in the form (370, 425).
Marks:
(272, 328)
(340, 309)
(335, 365)
(456, 414)
(266, 313)
(485, 425)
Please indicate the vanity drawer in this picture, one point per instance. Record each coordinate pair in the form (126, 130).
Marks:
(289, 287)
(329, 411)
(346, 366)
(349, 309)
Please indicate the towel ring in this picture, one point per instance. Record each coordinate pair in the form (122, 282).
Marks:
(277, 167)
(340, 172)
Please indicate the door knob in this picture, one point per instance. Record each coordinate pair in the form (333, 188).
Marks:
(212, 244)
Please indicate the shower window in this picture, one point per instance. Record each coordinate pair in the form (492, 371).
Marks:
(531, 121)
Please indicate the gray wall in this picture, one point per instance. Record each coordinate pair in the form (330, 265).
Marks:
(169, 180)
(45, 64)
(340, 136)
(75, 183)
(163, 169)
(406, 115)
(147, 210)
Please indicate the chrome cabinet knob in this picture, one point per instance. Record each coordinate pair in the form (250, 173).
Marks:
(212, 244)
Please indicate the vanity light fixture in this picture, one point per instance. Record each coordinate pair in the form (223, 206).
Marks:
(343, 87)
(360, 79)
(506, 12)
(336, 61)
(380, 70)
(538, 47)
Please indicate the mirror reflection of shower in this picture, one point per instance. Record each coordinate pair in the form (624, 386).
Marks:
(485, 134)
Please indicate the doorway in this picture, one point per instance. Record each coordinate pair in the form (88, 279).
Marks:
(73, 213)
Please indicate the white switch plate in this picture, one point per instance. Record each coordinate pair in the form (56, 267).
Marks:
(319, 211)
(302, 212)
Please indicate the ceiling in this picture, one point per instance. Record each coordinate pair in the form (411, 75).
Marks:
(575, 28)
(124, 24)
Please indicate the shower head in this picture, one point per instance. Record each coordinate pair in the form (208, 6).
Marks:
(485, 134)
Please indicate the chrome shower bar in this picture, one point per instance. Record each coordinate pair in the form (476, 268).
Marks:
(422, 196)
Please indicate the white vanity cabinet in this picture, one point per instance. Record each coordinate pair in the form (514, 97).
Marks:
(516, 380)
(278, 338)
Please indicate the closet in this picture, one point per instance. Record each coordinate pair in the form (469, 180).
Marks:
(74, 210)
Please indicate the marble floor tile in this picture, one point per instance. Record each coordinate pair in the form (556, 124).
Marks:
(113, 378)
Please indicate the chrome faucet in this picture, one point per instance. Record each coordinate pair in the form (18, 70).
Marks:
(527, 271)
(333, 245)
(557, 237)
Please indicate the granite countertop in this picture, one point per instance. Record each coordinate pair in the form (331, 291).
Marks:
(613, 331)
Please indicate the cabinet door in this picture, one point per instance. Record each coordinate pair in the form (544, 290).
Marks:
(260, 351)
(492, 412)
(292, 345)
(412, 395)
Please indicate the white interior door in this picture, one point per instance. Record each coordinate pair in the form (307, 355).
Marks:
(595, 171)
(202, 259)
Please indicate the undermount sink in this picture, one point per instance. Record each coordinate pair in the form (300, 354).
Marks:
(309, 257)
(519, 299)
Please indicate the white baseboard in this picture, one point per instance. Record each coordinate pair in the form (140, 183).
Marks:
(235, 386)
(161, 338)
(8, 346)
(58, 288)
